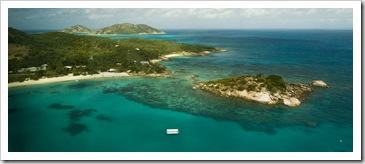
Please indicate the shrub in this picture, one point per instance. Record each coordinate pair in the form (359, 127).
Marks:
(275, 81)
(274, 90)
(251, 87)
(17, 77)
(243, 81)
(35, 77)
(261, 79)
(240, 88)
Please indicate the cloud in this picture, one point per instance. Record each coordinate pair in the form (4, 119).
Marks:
(100, 16)
(184, 17)
(196, 13)
(254, 12)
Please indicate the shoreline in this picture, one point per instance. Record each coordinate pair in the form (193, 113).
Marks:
(165, 58)
(172, 55)
(69, 77)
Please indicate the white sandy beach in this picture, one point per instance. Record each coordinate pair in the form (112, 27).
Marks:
(165, 57)
(70, 77)
(173, 55)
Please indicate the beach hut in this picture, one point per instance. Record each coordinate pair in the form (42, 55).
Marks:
(30, 69)
(111, 70)
(44, 66)
(144, 62)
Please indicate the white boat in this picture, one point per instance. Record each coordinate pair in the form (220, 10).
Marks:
(172, 131)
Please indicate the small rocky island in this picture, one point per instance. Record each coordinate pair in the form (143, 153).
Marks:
(268, 90)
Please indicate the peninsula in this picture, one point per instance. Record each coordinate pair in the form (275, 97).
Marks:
(268, 90)
(125, 28)
(58, 54)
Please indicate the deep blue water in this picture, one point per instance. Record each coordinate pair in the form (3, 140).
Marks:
(132, 114)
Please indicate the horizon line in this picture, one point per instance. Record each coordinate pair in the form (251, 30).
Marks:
(212, 29)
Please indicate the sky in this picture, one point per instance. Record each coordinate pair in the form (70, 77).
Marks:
(184, 18)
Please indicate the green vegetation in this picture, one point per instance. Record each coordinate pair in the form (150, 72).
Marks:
(230, 81)
(17, 77)
(125, 28)
(76, 29)
(272, 83)
(87, 54)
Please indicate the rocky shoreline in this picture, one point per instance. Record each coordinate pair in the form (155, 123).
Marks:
(260, 89)
(142, 74)
(203, 53)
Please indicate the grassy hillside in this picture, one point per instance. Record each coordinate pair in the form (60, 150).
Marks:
(127, 28)
(76, 29)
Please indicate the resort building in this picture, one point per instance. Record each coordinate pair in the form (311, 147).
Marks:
(144, 62)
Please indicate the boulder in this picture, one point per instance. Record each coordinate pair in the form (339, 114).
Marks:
(292, 102)
(242, 93)
(264, 97)
(319, 83)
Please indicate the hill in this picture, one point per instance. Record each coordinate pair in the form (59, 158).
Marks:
(76, 29)
(125, 28)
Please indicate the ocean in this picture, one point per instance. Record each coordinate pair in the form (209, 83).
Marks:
(131, 114)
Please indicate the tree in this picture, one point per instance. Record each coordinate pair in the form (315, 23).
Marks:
(275, 81)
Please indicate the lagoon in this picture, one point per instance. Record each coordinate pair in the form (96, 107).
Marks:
(131, 114)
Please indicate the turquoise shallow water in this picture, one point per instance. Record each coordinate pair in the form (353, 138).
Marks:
(132, 114)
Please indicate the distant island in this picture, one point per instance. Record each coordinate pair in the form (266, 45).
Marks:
(125, 28)
(268, 90)
(58, 54)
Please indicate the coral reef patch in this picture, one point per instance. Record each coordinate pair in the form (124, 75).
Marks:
(75, 128)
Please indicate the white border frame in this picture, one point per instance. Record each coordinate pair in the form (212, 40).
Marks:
(355, 155)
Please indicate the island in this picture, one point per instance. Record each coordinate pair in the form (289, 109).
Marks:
(271, 89)
(125, 28)
(58, 54)
(77, 29)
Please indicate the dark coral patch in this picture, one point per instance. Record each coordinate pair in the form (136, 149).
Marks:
(105, 118)
(75, 128)
(60, 106)
(76, 115)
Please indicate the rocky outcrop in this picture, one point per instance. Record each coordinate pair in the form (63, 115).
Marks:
(202, 53)
(319, 83)
(258, 89)
(142, 74)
